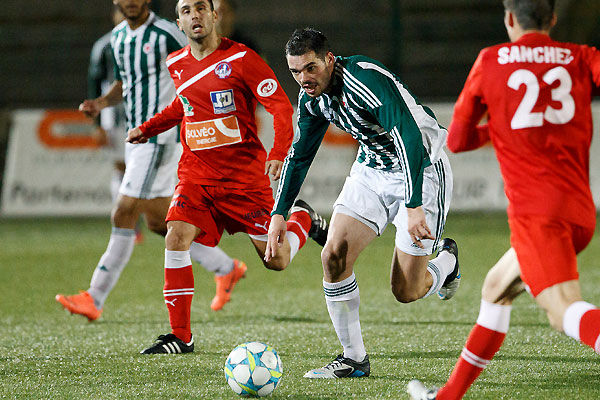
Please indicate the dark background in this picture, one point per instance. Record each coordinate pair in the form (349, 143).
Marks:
(430, 44)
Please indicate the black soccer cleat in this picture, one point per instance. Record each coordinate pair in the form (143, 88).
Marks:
(452, 282)
(318, 228)
(169, 344)
(342, 367)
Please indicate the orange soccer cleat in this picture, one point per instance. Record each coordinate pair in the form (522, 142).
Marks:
(82, 304)
(226, 283)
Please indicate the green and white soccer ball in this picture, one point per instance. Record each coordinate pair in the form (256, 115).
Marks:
(253, 369)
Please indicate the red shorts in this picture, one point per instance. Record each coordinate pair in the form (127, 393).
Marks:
(214, 209)
(547, 249)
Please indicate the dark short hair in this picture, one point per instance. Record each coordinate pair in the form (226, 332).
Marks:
(212, 7)
(307, 39)
(531, 14)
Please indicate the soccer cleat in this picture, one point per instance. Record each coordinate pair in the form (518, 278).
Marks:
(452, 282)
(318, 228)
(82, 304)
(169, 344)
(342, 367)
(418, 391)
(226, 283)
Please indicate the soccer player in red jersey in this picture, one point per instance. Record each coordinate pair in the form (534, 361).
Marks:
(537, 93)
(223, 172)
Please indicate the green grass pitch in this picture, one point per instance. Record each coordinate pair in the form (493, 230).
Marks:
(45, 353)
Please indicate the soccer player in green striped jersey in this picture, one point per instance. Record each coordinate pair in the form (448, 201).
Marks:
(140, 46)
(401, 175)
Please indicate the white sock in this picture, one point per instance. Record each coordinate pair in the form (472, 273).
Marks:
(495, 317)
(112, 262)
(439, 268)
(572, 318)
(115, 183)
(294, 242)
(343, 300)
(212, 259)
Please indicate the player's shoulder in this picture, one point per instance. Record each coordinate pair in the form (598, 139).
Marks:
(178, 55)
(361, 66)
(168, 28)
(120, 27)
(233, 47)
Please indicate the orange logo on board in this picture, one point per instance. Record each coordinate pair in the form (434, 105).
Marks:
(214, 133)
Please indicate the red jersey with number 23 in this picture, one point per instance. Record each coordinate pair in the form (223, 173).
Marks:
(537, 93)
(216, 103)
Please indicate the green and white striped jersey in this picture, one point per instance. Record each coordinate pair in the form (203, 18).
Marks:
(139, 62)
(394, 131)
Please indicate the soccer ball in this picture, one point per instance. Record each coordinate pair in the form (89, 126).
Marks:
(253, 369)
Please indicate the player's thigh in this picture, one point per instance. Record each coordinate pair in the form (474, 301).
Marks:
(408, 271)
(150, 170)
(194, 204)
(436, 197)
(503, 281)
(545, 249)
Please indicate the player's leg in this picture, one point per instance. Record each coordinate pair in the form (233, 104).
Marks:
(112, 262)
(178, 290)
(413, 274)
(501, 286)
(554, 280)
(304, 222)
(348, 237)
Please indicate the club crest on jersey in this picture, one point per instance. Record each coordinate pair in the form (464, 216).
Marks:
(266, 87)
(147, 48)
(222, 101)
(223, 69)
(188, 110)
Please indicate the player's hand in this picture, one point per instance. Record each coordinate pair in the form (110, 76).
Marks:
(276, 236)
(90, 107)
(273, 168)
(136, 136)
(417, 226)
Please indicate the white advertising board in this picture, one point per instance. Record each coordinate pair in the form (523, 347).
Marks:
(54, 167)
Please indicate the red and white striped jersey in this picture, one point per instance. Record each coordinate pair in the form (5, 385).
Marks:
(537, 93)
(216, 101)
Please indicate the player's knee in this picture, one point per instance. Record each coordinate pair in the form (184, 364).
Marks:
(176, 241)
(403, 295)
(333, 257)
(276, 264)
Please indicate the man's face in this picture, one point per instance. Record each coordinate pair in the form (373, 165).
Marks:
(133, 9)
(312, 73)
(196, 19)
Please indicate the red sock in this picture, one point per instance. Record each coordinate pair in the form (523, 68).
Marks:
(178, 292)
(299, 224)
(481, 346)
(589, 329)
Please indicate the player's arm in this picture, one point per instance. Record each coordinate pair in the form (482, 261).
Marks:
(465, 132)
(261, 80)
(114, 95)
(307, 139)
(169, 117)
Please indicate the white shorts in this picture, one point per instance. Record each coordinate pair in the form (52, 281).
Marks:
(376, 198)
(150, 170)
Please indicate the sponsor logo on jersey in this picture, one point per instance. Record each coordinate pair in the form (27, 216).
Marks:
(223, 70)
(266, 87)
(188, 110)
(213, 133)
(222, 101)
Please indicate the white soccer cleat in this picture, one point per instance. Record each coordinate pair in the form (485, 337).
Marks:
(418, 391)
(341, 367)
